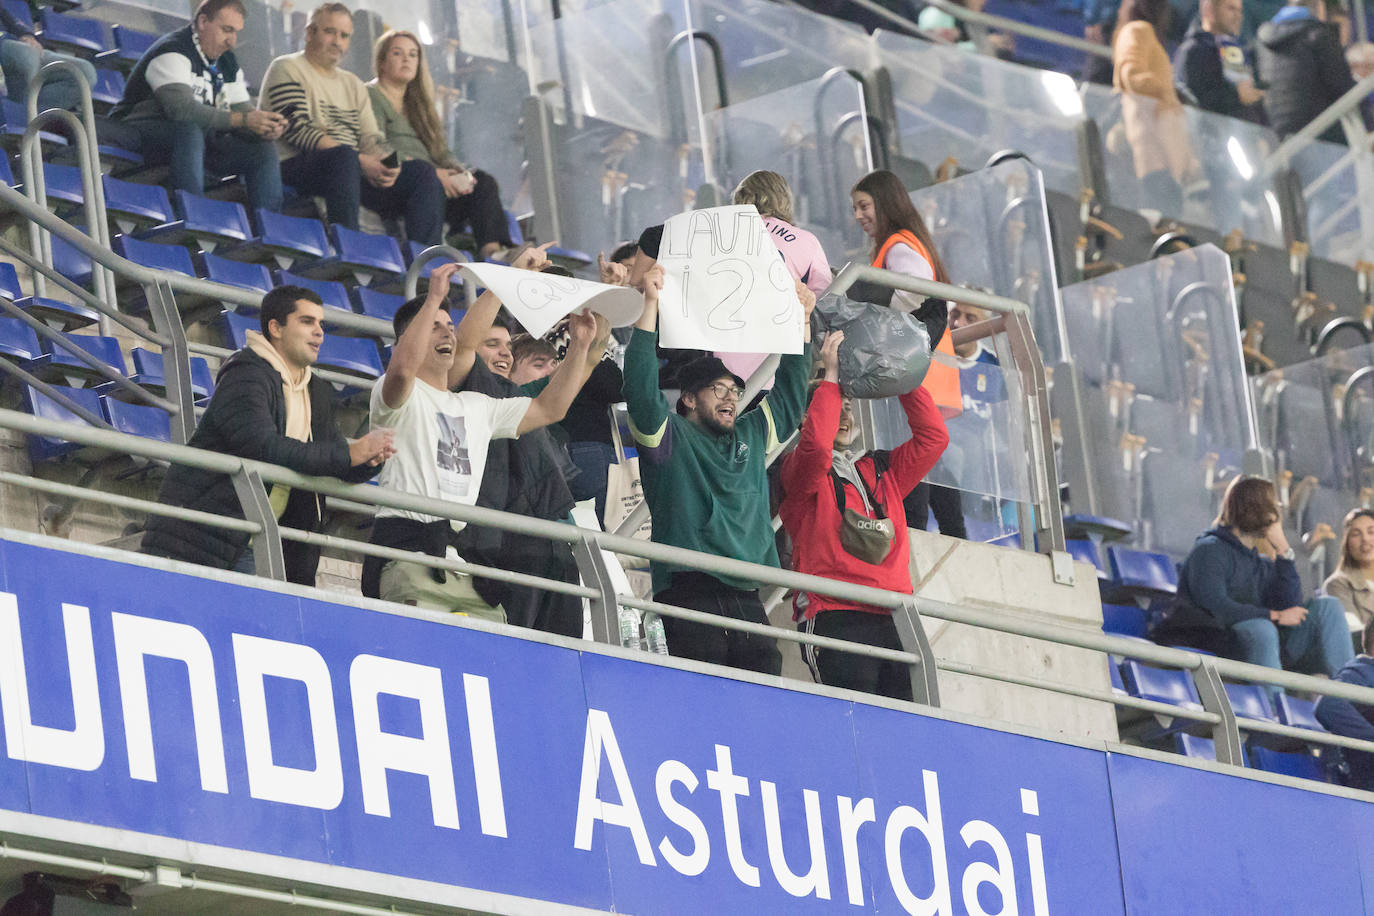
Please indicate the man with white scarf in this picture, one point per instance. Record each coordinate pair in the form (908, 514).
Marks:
(269, 406)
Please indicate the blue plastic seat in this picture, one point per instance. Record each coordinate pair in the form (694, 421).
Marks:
(352, 355)
(49, 448)
(148, 372)
(1296, 712)
(137, 419)
(1138, 574)
(129, 45)
(70, 262)
(333, 293)
(77, 35)
(6, 173)
(57, 361)
(19, 340)
(360, 256)
(236, 273)
(1097, 528)
(1163, 685)
(1114, 673)
(1125, 620)
(21, 11)
(1303, 766)
(567, 256)
(205, 223)
(9, 282)
(288, 241)
(135, 206)
(1250, 701)
(375, 304)
(1194, 746)
(16, 121)
(62, 184)
(65, 316)
(1085, 551)
(158, 257)
(107, 90)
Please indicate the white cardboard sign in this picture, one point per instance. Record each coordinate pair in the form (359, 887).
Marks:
(725, 286)
(538, 301)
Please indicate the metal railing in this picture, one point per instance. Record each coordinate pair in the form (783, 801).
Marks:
(1217, 716)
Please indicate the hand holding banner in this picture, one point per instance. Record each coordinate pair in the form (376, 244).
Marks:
(538, 300)
(726, 287)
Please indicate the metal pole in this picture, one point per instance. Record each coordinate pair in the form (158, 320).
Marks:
(925, 676)
(269, 561)
(176, 359)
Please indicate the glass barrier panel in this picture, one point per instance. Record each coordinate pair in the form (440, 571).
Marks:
(1316, 420)
(956, 103)
(991, 229)
(1186, 164)
(813, 136)
(987, 461)
(1340, 219)
(1166, 404)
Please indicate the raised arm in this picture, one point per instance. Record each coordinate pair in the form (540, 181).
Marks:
(809, 465)
(648, 407)
(552, 403)
(785, 403)
(477, 322)
(411, 350)
(913, 459)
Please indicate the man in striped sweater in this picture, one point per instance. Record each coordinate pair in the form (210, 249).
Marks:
(332, 147)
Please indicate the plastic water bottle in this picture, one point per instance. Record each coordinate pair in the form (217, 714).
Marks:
(654, 635)
(629, 628)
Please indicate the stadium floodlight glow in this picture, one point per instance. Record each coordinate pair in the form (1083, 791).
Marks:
(422, 31)
(1242, 162)
(1062, 92)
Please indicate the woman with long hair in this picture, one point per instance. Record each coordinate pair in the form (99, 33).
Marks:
(1235, 601)
(902, 243)
(403, 103)
(1351, 582)
(1151, 112)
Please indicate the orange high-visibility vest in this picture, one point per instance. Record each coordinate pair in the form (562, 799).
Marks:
(942, 380)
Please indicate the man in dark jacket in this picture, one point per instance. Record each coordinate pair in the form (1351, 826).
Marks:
(187, 100)
(1301, 61)
(1354, 720)
(270, 407)
(1210, 63)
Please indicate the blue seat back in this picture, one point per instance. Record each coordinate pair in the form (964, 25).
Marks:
(1251, 701)
(151, 254)
(147, 202)
(1303, 766)
(131, 43)
(237, 327)
(1085, 551)
(6, 173)
(298, 233)
(74, 30)
(357, 355)
(148, 367)
(138, 419)
(1163, 685)
(20, 10)
(219, 217)
(1142, 571)
(1125, 620)
(237, 273)
(373, 304)
(19, 340)
(70, 262)
(48, 448)
(63, 182)
(1296, 712)
(9, 282)
(102, 348)
(367, 251)
(1193, 746)
(108, 87)
(332, 292)
(513, 229)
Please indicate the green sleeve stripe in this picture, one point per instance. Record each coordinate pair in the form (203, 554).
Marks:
(772, 436)
(649, 440)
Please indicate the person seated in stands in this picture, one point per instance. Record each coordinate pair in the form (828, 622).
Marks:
(532, 358)
(902, 243)
(1350, 584)
(22, 56)
(443, 436)
(704, 474)
(187, 100)
(268, 406)
(1300, 60)
(332, 146)
(1210, 63)
(403, 101)
(1235, 601)
(1354, 720)
(844, 514)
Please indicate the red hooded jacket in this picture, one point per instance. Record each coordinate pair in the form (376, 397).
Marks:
(812, 517)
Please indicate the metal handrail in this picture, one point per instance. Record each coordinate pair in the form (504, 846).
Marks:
(433, 253)
(1206, 670)
(1281, 157)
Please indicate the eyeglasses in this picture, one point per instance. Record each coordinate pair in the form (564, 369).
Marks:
(723, 391)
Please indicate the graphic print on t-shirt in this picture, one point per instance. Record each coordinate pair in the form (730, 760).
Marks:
(455, 466)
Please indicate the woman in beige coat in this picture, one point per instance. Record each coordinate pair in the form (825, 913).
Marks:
(1351, 582)
(1150, 109)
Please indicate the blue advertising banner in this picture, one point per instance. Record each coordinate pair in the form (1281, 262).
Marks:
(244, 719)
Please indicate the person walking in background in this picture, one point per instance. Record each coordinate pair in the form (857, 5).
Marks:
(1301, 62)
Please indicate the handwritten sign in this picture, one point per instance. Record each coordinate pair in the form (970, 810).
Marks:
(538, 300)
(726, 287)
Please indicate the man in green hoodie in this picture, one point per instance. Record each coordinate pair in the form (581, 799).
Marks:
(704, 470)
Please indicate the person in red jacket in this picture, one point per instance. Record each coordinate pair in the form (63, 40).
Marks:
(819, 474)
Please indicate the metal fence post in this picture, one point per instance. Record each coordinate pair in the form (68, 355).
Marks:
(257, 508)
(176, 358)
(1225, 734)
(925, 678)
(605, 608)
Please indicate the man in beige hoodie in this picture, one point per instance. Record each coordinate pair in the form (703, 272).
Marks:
(268, 405)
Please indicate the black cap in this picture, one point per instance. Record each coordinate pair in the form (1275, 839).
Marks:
(701, 372)
(650, 239)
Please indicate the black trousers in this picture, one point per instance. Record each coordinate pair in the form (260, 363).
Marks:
(706, 643)
(945, 502)
(481, 209)
(834, 668)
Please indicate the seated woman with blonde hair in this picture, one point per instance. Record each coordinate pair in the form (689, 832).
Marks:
(403, 103)
(1350, 583)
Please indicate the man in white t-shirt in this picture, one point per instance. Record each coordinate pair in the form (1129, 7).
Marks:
(442, 435)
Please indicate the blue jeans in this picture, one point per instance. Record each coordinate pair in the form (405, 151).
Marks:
(1319, 645)
(20, 62)
(189, 149)
(593, 460)
(335, 175)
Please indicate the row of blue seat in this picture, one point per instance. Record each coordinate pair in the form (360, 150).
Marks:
(109, 44)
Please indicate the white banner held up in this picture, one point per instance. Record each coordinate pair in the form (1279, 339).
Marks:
(539, 300)
(725, 286)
